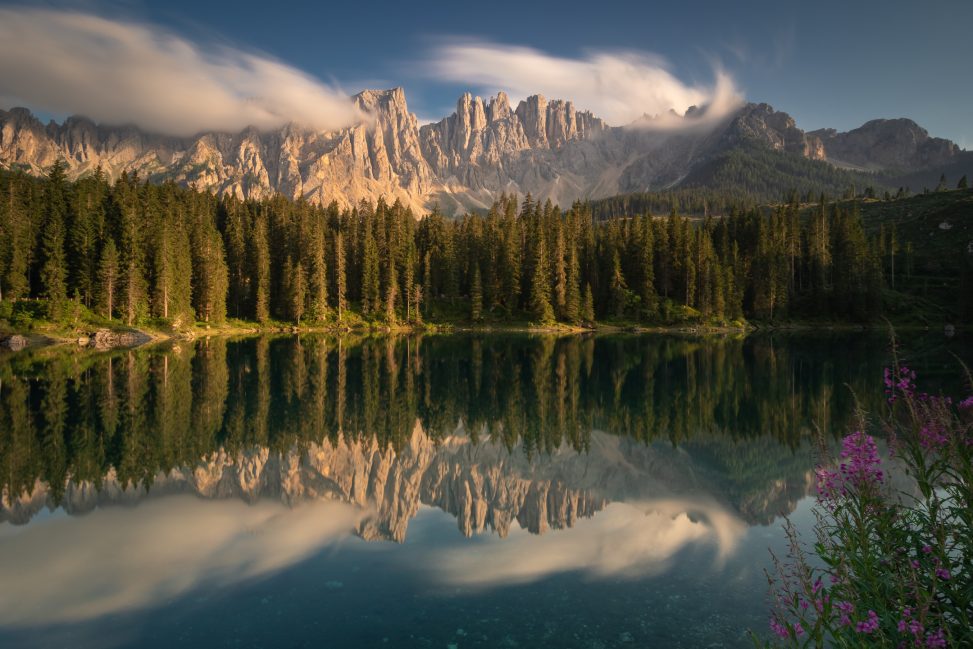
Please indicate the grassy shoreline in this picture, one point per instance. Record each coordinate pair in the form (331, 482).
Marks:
(45, 333)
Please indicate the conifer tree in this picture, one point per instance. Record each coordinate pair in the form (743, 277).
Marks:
(476, 296)
(572, 311)
(391, 289)
(370, 274)
(260, 260)
(340, 274)
(560, 275)
(409, 279)
(540, 283)
(963, 183)
(318, 276)
(15, 242)
(511, 276)
(131, 232)
(87, 226)
(297, 290)
(53, 274)
(427, 281)
(54, 271)
(235, 230)
(588, 306)
(647, 291)
(172, 270)
(108, 278)
(618, 289)
(210, 276)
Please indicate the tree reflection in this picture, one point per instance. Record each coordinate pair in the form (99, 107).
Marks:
(739, 406)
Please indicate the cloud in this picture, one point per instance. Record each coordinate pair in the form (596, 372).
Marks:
(119, 559)
(620, 87)
(626, 539)
(118, 72)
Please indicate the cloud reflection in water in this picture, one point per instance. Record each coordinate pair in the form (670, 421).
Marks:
(631, 539)
(117, 559)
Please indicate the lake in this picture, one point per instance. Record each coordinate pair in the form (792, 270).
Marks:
(419, 491)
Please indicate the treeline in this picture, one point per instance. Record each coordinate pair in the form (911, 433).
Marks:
(696, 201)
(134, 251)
(765, 175)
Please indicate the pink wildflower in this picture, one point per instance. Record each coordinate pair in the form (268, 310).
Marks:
(868, 626)
(936, 639)
(779, 629)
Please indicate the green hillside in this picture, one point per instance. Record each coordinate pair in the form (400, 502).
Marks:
(930, 237)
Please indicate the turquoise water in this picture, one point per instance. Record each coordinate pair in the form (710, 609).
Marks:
(436, 491)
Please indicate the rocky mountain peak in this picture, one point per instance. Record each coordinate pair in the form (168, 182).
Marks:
(532, 113)
(464, 161)
(382, 102)
(499, 107)
(776, 129)
(898, 144)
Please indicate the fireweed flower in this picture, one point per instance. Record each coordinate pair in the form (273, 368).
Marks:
(779, 629)
(829, 484)
(846, 609)
(899, 381)
(932, 436)
(868, 626)
(859, 469)
(936, 639)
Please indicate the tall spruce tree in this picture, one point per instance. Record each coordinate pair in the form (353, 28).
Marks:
(108, 278)
(260, 269)
(15, 240)
(296, 289)
(54, 269)
(618, 289)
(370, 288)
(476, 296)
(340, 271)
(572, 308)
(588, 306)
(318, 275)
(540, 283)
(647, 292)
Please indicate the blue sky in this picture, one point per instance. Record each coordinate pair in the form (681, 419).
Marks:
(826, 63)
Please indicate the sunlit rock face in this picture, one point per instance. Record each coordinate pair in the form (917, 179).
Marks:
(545, 147)
(898, 144)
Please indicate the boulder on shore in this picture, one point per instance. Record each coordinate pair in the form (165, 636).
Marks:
(14, 343)
(108, 339)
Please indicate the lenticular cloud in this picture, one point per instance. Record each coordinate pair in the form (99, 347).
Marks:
(620, 87)
(123, 72)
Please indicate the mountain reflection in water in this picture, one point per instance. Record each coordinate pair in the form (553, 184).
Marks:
(540, 430)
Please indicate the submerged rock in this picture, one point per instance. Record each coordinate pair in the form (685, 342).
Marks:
(14, 343)
(108, 339)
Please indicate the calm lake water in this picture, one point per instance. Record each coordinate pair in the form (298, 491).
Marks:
(437, 491)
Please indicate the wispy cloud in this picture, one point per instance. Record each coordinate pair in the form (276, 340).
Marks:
(620, 87)
(63, 61)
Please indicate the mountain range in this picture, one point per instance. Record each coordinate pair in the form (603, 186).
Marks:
(464, 161)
